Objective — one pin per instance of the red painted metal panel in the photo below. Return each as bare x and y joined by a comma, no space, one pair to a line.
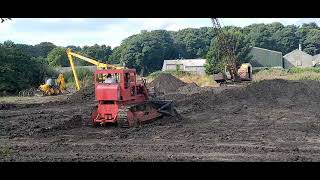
108,111
107,92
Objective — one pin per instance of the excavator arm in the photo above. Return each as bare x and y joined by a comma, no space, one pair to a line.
226,48
99,65
61,83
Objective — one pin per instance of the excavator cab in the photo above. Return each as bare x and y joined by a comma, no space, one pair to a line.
52,82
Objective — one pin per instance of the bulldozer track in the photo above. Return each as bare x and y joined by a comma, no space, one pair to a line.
122,118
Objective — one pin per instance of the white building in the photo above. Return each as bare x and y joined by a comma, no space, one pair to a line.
316,58
188,65
298,58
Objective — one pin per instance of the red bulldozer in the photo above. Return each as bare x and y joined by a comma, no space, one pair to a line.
122,99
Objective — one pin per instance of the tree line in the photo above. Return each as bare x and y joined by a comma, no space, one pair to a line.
23,65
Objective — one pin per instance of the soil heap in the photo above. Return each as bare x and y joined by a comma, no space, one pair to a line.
271,93
166,83
84,95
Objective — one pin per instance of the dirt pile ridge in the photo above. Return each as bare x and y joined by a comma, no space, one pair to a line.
166,83
189,88
84,95
266,93
273,91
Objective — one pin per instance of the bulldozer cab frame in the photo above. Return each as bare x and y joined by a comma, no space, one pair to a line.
123,76
126,83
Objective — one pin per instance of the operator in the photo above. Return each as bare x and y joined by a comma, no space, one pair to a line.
110,79
50,82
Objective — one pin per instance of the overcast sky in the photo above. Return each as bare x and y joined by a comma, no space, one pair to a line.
110,31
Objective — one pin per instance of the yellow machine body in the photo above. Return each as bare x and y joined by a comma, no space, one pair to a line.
57,87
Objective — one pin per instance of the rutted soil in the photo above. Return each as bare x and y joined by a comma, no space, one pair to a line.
274,120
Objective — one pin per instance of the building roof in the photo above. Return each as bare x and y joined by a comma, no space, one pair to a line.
297,51
317,56
266,50
187,62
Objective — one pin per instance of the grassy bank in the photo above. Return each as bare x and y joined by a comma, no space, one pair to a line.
288,74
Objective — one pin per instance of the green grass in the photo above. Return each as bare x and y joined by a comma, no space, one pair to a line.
288,74
303,70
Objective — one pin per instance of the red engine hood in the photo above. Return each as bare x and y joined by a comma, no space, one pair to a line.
107,92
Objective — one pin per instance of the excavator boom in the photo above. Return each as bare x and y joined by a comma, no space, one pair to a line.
99,65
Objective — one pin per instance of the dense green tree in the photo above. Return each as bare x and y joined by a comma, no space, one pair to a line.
312,42
28,49
114,58
259,36
44,48
74,48
216,58
18,70
100,53
305,37
285,39
9,44
193,43
147,50
97,52
58,57
37,50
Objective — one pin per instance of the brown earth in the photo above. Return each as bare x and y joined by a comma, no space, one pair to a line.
274,120
166,83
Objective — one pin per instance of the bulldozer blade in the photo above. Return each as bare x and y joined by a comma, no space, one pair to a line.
165,107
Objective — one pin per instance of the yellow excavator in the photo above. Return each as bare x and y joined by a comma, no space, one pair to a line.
53,86
98,64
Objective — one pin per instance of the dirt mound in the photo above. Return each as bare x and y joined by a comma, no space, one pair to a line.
278,91
189,88
192,88
84,95
166,83
265,93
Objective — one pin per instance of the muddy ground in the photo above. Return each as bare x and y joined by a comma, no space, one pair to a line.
273,120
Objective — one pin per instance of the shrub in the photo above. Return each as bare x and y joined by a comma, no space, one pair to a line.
85,77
